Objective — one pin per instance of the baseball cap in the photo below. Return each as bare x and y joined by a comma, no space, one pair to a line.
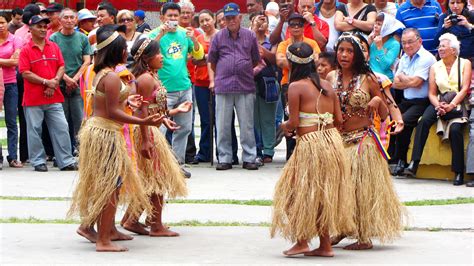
140,13
231,9
272,6
54,7
85,14
37,19
296,16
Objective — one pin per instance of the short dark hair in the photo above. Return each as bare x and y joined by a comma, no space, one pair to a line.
4,15
17,11
170,6
330,57
29,11
111,55
111,10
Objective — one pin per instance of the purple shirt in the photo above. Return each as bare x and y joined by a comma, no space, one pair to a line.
234,60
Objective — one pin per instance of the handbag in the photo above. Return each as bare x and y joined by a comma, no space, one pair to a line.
447,97
272,89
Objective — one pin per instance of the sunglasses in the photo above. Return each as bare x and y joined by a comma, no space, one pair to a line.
124,20
296,24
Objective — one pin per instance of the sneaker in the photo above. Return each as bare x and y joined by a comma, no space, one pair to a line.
71,167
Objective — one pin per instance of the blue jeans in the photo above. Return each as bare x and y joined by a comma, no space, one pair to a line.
73,108
184,121
53,114
10,102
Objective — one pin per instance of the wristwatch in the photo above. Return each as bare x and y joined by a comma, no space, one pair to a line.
313,23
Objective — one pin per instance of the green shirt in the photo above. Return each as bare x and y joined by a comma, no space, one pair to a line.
73,47
174,47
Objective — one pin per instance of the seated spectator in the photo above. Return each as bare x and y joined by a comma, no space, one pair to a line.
459,21
386,7
326,63
85,21
355,16
447,90
384,47
142,26
42,71
9,50
411,77
267,92
422,15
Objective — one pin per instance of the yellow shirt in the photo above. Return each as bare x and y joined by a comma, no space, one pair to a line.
444,81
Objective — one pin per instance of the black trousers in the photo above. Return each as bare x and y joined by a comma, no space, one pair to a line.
411,111
455,137
21,117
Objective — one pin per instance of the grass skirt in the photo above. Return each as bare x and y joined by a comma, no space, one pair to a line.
162,174
313,193
104,167
379,213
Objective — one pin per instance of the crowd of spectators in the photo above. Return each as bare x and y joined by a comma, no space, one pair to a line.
231,70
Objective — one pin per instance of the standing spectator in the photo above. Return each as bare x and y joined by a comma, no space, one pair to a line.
314,28
76,52
254,7
272,11
459,21
15,23
185,21
106,15
53,10
23,34
201,87
386,7
267,92
355,16
42,66
220,21
287,7
125,19
411,77
176,43
9,51
142,26
326,10
232,56
384,47
447,90
85,21
424,16
296,23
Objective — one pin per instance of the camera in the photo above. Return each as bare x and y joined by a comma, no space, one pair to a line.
284,6
173,24
453,18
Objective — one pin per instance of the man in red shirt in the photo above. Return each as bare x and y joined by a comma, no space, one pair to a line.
314,28
42,66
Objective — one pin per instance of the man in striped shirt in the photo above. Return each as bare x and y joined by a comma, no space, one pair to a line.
422,15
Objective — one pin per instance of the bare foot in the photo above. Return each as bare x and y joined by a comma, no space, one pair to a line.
336,239
359,246
320,253
135,227
116,235
163,233
298,248
102,247
87,232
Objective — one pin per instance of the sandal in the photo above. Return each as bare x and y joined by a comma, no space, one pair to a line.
15,164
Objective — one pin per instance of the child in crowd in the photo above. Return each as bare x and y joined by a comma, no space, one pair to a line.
326,63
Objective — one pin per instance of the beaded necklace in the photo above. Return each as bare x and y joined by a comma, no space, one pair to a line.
345,96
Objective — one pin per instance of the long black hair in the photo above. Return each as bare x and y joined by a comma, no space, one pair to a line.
140,65
359,65
302,71
112,54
